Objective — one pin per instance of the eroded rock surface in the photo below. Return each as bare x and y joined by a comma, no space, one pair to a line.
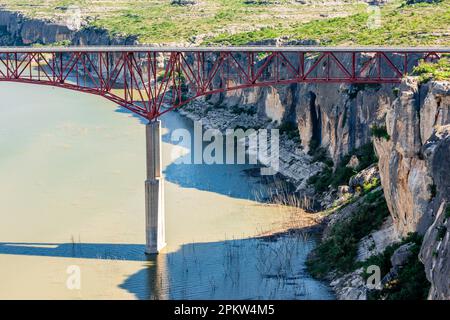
414,170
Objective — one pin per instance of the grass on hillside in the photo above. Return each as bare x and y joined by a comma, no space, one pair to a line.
401,24
239,22
162,21
439,70
338,252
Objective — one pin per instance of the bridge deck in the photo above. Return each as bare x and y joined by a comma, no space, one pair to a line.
223,49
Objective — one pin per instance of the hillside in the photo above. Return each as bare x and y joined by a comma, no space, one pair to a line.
162,21
238,22
399,24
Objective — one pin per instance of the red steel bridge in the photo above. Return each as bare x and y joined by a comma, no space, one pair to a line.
144,79
150,81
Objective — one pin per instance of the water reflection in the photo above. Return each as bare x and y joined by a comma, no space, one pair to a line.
255,268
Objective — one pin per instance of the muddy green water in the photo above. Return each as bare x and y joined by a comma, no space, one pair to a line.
72,194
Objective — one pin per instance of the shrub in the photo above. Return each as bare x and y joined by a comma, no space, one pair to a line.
411,282
442,230
321,180
342,174
396,91
355,88
249,111
380,132
383,260
291,130
338,251
410,2
439,70
433,190
372,184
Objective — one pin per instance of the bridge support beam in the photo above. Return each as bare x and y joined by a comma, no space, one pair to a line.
154,191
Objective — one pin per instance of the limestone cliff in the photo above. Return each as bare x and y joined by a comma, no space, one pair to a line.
414,170
16,29
337,117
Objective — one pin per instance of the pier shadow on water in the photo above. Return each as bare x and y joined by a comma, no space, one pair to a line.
254,268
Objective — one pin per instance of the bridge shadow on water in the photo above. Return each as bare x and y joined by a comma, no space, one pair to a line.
253,268
104,251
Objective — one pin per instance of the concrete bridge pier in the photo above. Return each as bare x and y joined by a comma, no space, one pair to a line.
154,191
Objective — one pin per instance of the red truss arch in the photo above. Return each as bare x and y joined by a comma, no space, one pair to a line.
143,79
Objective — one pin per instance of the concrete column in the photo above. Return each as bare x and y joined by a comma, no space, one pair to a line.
154,191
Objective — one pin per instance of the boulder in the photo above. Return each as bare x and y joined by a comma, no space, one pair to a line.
354,162
401,255
364,177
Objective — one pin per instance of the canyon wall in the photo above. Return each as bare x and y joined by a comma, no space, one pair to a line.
414,170
337,117
16,29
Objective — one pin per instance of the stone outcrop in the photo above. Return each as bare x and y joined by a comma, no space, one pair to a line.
435,252
351,286
23,30
338,117
376,242
406,174
414,170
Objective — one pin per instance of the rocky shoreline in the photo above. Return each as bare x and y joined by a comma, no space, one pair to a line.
295,164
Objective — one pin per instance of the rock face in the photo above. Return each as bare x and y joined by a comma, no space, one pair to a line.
407,179
435,252
414,170
337,117
22,30
368,175
376,242
351,286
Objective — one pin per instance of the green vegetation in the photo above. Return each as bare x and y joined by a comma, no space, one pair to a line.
409,2
342,174
338,251
239,22
447,212
380,132
368,186
239,110
433,191
355,88
383,260
396,91
411,282
418,24
165,21
291,130
439,70
442,230
61,43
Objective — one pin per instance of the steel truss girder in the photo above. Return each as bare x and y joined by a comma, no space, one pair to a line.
154,82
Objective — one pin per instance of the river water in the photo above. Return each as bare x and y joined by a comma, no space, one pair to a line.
72,172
